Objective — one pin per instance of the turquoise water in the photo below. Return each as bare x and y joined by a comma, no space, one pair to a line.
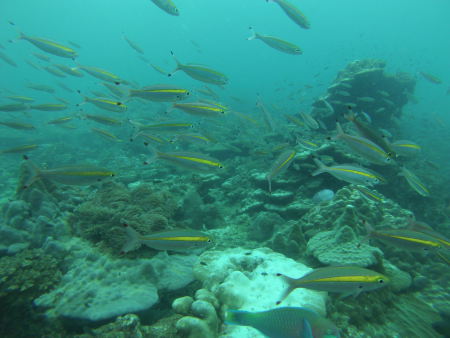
61,220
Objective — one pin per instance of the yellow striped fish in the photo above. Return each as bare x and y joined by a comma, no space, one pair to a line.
174,240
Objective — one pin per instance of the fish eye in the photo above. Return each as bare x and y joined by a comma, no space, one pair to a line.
360,286
119,103
381,281
187,93
221,166
209,240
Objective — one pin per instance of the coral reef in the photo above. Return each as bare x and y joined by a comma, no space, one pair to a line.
98,287
341,246
100,218
25,276
366,87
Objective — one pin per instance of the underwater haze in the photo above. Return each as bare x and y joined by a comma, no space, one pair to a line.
212,168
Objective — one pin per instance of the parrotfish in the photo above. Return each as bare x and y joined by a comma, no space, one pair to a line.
285,322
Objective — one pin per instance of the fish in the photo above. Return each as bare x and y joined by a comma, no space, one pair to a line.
103,119
53,71
115,90
160,93
293,13
61,120
294,120
426,229
405,148
7,59
133,44
40,87
163,127
106,104
83,174
367,99
383,93
285,322
76,45
364,147
13,107
60,99
266,115
405,239
18,98
17,125
32,64
174,240
346,280
101,74
369,132
188,160
208,92
19,149
149,138
49,107
343,93
309,121
73,71
414,182
167,6
200,109
42,57
106,134
283,161
50,47
276,43
369,195
306,144
200,73
349,173
65,87
431,78
198,138
159,69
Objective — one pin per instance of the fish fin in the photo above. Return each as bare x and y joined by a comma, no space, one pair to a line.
269,181
307,329
153,155
35,173
322,167
179,65
133,240
350,116
254,34
340,131
291,286
235,317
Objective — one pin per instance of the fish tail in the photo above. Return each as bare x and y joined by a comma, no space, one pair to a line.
322,167
254,34
235,317
350,116
340,131
369,228
154,154
177,67
35,173
291,282
133,240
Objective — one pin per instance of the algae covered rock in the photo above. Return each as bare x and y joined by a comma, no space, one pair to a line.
342,247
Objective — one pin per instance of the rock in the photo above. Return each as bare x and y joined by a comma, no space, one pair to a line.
182,305
342,247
